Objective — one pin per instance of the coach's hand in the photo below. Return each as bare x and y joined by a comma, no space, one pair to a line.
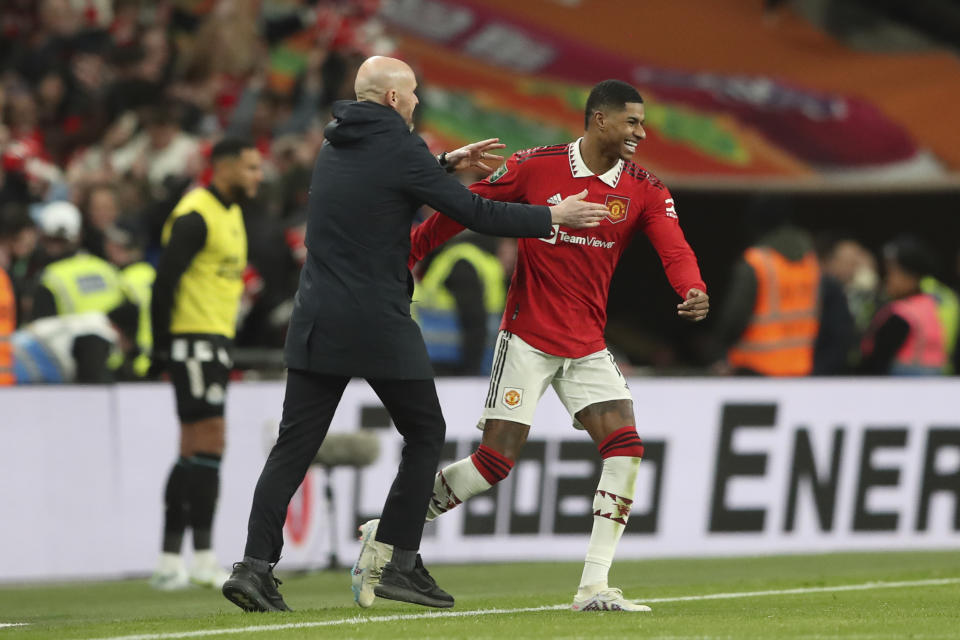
475,155
695,307
574,212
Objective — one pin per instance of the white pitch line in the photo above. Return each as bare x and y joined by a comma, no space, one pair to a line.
332,623
486,612
13,624
802,590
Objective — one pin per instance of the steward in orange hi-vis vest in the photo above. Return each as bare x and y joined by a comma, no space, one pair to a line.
8,323
780,337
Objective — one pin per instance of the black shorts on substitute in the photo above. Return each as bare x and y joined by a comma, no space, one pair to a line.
200,367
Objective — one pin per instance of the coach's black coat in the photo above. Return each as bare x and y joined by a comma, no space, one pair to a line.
351,312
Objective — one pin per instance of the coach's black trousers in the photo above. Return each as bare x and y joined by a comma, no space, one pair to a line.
308,408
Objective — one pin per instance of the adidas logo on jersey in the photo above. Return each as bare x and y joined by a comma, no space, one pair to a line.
554,199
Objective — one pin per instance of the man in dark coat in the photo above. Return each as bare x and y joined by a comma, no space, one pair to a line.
351,318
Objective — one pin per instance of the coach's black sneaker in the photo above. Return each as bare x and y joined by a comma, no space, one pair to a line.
416,586
253,590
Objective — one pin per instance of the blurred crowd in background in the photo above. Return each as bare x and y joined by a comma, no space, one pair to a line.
108,112
113,106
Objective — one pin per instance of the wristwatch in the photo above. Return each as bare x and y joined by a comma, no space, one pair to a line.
444,164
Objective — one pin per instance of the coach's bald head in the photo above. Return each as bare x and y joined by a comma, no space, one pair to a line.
389,82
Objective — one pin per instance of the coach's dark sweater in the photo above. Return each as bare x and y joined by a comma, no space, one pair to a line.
352,310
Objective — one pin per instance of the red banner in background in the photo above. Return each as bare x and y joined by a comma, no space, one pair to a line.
699,123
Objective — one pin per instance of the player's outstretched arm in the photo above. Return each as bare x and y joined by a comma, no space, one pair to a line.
696,307
662,227
429,235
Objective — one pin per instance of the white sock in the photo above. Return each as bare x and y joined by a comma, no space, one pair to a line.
170,563
611,508
206,559
454,484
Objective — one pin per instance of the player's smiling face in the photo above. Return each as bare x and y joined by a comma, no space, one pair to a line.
623,130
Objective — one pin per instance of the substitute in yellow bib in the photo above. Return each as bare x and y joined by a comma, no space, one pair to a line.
193,311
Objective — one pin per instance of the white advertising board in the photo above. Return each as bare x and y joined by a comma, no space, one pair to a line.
731,467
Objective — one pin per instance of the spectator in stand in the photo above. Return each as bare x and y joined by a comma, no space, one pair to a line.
18,239
100,212
161,150
22,120
262,114
906,338
48,42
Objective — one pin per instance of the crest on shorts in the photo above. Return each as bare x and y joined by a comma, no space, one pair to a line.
617,206
512,397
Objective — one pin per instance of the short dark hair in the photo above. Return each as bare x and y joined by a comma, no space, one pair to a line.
912,254
609,93
166,112
230,148
14,218
126,317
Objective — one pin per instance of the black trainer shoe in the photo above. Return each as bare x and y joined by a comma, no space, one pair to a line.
253,590
416,586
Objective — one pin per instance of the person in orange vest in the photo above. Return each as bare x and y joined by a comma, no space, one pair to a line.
8,322
8,310
906,337
770,323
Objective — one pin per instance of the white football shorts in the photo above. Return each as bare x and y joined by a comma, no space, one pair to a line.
521,374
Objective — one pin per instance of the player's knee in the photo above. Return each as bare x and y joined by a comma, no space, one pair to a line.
492,464
505,437
624,442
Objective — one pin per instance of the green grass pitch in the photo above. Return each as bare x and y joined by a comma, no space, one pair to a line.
857,596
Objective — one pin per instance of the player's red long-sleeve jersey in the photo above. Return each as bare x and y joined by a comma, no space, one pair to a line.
558,296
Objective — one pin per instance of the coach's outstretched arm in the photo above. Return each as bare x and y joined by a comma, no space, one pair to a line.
427,182
472,156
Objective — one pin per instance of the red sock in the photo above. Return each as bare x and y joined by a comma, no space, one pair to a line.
491,464
622,442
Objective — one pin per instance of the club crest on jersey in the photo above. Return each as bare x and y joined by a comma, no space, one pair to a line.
496,175
512,397
618,207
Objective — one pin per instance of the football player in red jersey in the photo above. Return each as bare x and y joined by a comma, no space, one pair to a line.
553,324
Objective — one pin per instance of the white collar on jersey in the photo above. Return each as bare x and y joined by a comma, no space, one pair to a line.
579,168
